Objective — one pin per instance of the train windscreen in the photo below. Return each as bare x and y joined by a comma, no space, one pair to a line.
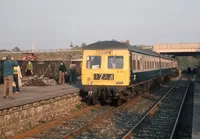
115,62
93,62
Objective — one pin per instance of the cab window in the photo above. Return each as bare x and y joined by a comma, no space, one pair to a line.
115,62
93,62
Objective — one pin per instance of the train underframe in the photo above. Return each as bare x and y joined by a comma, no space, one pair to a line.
116,95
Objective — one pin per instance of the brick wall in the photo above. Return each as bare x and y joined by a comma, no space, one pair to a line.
16,120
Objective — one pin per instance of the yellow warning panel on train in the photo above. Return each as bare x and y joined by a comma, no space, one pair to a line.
104,52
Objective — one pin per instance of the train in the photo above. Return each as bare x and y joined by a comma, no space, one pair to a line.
114,72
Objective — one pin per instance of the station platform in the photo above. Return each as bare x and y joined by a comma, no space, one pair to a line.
35,106
196,111
34,94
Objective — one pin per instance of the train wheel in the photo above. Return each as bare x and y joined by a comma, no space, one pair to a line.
91,97
118,102
89,100
103,98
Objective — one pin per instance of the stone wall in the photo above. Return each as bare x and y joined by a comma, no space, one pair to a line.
16,120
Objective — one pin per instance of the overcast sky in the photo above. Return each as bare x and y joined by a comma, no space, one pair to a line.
57,23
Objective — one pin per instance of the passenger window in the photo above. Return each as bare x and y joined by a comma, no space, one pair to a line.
138,64
115,62
93,62
145,64
134,64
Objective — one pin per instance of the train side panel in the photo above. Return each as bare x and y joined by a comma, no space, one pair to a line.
145,75
145,66
167,71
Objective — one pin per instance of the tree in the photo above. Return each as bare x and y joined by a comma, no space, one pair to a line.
83,45
16,49
76,47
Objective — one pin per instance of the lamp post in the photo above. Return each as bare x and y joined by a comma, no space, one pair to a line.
70,56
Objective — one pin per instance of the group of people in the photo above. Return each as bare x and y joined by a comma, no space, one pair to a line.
12,77
72,73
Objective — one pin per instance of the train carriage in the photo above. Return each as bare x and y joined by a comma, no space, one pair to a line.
147,65
111,70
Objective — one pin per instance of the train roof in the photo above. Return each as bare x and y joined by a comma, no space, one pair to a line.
106,45
110,45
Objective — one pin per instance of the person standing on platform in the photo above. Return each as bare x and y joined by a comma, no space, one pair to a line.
17,79
179,71
8,76
62,70
72,70
29,69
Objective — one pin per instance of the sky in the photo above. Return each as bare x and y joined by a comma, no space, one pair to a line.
54,24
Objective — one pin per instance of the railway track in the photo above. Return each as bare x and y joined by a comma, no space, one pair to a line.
184,126
116,123
51,124
100,122
161,120
185,123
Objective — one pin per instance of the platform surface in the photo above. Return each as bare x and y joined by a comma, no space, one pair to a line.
34,94
196,112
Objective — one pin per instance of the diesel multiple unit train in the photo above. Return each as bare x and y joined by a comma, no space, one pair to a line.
114,72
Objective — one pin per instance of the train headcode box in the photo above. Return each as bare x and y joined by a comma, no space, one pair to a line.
104,52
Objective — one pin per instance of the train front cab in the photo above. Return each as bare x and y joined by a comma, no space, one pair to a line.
105,69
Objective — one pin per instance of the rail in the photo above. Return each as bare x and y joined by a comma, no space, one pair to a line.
179,112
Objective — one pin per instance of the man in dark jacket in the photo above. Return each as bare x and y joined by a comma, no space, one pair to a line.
8,76
72,70
62,70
